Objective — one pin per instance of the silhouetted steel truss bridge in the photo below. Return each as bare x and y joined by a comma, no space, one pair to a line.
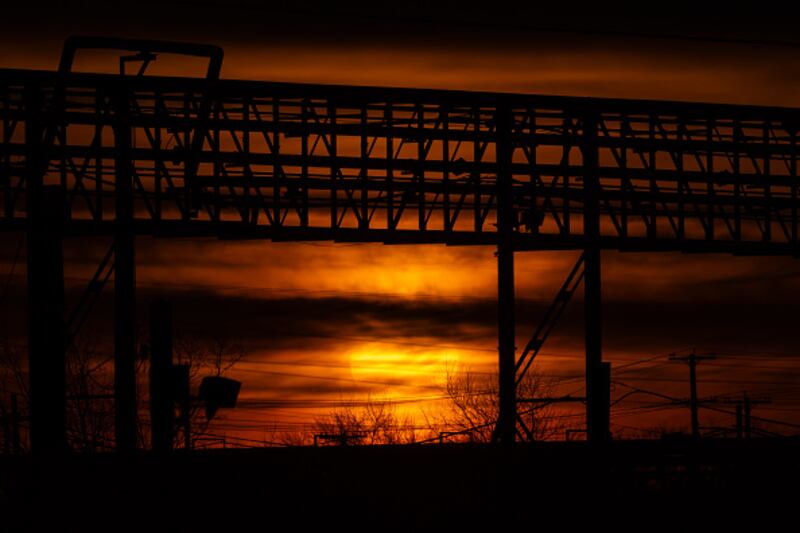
129,154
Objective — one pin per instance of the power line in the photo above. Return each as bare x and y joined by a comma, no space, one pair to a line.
761,418
642,361
720,410
692,360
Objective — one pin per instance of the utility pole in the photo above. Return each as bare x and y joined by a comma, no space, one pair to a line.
739,425
744,408
692,359
747,421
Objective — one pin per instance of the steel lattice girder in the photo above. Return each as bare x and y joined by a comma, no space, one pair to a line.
288,161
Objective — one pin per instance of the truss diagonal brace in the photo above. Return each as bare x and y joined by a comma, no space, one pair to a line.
90,295
550,319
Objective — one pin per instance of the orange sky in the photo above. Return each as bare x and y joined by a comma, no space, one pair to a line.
326,322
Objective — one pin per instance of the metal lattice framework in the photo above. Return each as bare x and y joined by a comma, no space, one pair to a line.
233,159
290,161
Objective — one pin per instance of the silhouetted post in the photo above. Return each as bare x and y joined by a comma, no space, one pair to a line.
6,420
749,402
596,406
747,419
692,360
46,328
15,420
124,283
507,416
739,427
162,412
45,268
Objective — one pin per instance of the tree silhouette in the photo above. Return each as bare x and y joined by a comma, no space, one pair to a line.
90,386
472,406
369,422
352,422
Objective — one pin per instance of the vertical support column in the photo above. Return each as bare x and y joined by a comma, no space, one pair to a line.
597,412
507,418
45,269
334,155
652,228
710,223
737,185
277,166
162,412
421,155
765,169
682,186
46,328
389,167
475,176
363,218
793,175
304,164
5,147
124,283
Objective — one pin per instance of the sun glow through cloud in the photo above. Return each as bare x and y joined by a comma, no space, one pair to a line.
373,361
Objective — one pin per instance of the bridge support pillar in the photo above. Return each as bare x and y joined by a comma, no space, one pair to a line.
507,419
597,410
45,271
597,385
506,331
46,327
124,285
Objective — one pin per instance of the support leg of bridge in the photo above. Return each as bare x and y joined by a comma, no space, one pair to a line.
507,417
597,383
46,329
124,287
597,409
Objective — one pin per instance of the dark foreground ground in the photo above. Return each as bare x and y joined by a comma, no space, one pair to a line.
407,488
